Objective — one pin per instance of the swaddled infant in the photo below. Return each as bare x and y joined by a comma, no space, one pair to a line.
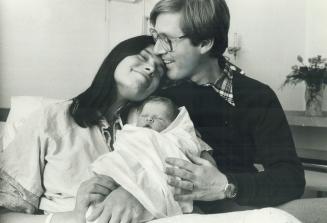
157,113
137,162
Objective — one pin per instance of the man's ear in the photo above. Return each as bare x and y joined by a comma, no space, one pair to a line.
206,45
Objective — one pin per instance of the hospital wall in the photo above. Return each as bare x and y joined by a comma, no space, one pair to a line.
54,47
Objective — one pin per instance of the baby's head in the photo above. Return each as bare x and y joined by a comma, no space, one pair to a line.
157,113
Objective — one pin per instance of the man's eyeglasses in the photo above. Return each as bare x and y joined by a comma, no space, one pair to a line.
165,41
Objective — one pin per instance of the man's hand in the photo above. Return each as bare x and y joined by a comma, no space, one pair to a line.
119,207
92,191
199,180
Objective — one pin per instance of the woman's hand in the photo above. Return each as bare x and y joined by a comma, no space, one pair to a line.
119,207
199,180
92,191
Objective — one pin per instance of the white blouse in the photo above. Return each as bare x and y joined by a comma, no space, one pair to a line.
44,165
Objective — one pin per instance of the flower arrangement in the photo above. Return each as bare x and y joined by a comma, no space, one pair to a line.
314,74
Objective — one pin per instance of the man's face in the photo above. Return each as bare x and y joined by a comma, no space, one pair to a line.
183,61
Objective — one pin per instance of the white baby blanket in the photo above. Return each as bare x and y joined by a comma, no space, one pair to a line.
264,215
137,164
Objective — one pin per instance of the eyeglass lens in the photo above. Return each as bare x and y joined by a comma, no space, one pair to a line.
162,39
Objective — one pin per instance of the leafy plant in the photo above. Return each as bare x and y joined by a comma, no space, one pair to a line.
314,73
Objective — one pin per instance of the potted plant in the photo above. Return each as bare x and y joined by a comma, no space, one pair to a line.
314,74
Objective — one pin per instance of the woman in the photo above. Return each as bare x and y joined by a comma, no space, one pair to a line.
42,169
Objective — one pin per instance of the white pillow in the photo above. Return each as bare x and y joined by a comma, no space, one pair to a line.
20,109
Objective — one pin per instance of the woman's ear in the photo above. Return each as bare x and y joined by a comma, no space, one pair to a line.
206,45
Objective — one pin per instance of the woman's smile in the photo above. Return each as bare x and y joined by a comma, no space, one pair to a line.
145,75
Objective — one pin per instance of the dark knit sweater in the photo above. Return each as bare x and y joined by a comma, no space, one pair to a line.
254,131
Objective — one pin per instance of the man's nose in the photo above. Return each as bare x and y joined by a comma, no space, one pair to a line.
158,49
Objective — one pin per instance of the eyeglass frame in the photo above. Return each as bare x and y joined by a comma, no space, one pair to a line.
165,40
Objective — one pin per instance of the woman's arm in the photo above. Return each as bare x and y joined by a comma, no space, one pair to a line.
91,191
119,206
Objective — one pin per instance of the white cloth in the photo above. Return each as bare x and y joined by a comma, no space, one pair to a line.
264,215
44,165
137,163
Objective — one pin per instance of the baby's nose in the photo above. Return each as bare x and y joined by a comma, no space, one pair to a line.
149,119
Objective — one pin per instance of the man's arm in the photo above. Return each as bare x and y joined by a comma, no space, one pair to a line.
283,177
281,181
198,179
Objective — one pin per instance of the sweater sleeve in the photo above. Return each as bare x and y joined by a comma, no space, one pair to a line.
283,176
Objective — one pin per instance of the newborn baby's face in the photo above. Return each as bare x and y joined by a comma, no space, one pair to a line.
154,115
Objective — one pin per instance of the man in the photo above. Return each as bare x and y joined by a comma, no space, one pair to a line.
240,118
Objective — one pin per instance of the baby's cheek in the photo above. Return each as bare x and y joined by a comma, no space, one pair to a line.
140,122
158,126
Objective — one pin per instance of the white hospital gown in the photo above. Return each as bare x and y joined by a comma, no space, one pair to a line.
44,165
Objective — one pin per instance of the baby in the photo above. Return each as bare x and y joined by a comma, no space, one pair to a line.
137,162
157,113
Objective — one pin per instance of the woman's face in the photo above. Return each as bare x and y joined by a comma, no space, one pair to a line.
138,76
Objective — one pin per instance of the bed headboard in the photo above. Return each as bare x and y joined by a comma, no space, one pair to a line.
4,114
3,117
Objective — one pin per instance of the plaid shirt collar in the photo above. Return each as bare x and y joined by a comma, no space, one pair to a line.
224,84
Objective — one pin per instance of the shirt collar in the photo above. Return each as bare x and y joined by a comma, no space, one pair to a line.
108,131
224,84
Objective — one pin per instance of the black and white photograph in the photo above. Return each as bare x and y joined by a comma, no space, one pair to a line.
163,111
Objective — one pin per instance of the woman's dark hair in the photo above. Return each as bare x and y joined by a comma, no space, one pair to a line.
88,107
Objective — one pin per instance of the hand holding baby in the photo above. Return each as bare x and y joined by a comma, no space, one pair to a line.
207,181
